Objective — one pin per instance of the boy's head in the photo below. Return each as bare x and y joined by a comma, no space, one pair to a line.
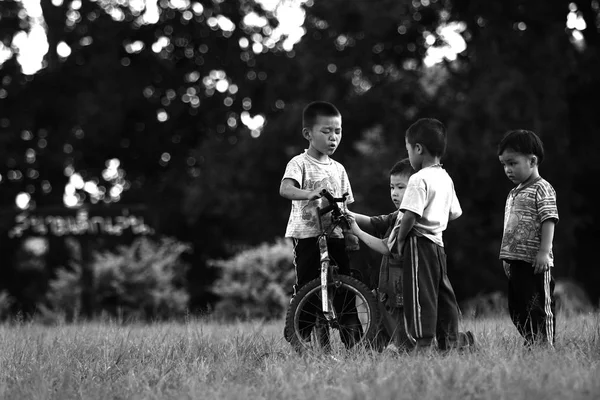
520,152
399,176
322,127
427,135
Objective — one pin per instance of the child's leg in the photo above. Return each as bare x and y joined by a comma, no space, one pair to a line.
349,319
402,339
531,302
520,293
387,323
395,305
420,283
306,263
544,315
447,321
385,327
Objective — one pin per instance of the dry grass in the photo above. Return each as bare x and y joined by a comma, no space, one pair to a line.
206,360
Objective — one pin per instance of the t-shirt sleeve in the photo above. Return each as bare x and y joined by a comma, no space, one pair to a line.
345,185
546,203
293,171
415,197
455,209
381,223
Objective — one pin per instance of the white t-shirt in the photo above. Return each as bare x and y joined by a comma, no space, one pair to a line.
310,174
430,194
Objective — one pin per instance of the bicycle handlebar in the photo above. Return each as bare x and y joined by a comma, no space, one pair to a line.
332,200
333,206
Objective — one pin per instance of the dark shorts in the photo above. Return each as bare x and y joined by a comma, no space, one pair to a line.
307,258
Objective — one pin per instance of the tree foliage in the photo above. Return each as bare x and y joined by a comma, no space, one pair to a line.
167,98
524,68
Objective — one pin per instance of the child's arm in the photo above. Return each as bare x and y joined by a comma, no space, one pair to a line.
290,190
407,223
506,267
542,260
379,245
363,221
455,209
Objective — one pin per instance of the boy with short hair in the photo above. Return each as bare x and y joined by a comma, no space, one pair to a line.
305,176
430,201
530,215
389,287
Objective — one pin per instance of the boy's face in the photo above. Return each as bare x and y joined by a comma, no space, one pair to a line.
325,135
398,184
518,167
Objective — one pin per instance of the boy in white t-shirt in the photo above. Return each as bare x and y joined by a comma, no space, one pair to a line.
430,201
391,297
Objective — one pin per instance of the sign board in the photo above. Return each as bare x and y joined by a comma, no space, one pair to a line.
115,220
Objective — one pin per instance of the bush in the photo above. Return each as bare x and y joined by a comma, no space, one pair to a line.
571,298
145,280
485,305
63,299
255,283
6,302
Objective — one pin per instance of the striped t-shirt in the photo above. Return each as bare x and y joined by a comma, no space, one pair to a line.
526,209
311,174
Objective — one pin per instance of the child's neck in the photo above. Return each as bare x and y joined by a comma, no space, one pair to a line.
430,161
317,155
535,173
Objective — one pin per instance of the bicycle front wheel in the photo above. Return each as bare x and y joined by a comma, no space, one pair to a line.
355,322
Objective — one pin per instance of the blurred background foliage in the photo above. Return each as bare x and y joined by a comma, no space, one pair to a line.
144,281
256,283
193,108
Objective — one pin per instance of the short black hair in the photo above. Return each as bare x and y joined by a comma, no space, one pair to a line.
429,133
318,109
402,167
524,142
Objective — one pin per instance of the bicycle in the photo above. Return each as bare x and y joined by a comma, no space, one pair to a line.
334,301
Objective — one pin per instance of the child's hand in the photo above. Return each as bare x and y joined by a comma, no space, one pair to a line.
506,267
315,194
352,223
542,262
400,247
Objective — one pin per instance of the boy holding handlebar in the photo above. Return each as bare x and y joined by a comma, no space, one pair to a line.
305,176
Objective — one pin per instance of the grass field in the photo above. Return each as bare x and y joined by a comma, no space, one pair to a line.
206,360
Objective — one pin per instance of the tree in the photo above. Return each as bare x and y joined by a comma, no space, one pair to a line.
524,68
117,88
166,98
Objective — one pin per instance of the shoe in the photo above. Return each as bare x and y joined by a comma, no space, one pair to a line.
391,349
470,339
466,340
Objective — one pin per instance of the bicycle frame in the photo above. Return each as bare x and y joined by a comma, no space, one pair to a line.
338,218
325,264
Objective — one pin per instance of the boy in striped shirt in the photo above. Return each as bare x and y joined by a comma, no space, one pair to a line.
530,215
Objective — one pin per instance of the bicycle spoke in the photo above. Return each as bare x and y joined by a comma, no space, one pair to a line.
309,318
354,312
